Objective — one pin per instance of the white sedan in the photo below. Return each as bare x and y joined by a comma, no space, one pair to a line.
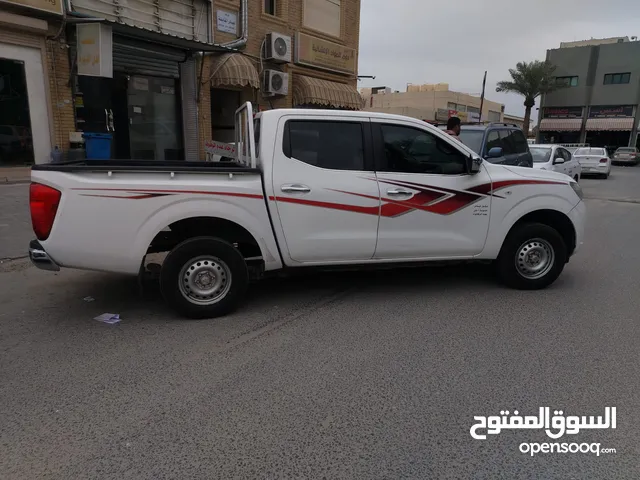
594,161
556,158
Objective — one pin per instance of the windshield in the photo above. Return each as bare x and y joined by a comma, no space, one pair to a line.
472,139
540,155
590,151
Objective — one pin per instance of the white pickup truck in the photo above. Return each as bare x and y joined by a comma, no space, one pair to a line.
309,188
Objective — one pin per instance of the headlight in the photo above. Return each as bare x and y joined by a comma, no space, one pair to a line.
578,189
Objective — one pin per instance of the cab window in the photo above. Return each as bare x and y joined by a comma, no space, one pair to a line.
411,150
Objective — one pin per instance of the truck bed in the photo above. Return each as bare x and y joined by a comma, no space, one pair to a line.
111,211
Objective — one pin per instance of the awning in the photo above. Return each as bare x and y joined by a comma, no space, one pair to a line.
309,90
560,124
610,124
233,69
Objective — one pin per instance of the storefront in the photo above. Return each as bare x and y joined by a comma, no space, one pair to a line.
25,104
561,125
135,84
610,126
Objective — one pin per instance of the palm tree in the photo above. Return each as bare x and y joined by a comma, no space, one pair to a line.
529,80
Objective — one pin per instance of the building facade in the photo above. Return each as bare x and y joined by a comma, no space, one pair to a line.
433,103
515,120
600,95
287,54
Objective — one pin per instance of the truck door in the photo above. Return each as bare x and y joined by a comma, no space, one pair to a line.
430,207
324,188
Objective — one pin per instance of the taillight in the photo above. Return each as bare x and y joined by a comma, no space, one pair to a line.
604,160
43,203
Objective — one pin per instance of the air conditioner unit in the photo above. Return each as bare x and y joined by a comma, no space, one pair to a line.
278,48
275,82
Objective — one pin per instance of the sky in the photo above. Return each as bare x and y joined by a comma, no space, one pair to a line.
454,42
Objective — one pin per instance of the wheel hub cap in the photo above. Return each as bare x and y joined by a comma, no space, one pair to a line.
534,258
205,280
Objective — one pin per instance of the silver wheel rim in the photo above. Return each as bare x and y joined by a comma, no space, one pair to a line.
204,280
535,258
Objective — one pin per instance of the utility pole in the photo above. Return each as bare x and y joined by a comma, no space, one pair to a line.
484,83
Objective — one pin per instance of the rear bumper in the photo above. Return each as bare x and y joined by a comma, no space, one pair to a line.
630,160
40,258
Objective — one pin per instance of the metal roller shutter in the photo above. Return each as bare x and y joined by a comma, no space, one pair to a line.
19,38
141,58
188,81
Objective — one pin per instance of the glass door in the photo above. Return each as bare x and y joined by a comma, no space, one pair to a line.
155,131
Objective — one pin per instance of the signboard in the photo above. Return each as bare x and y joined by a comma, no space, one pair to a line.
49,6
227,21
473,117
442,114
95,52
319,53
615,111
215,150
563,112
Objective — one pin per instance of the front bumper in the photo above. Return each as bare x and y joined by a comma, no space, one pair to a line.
40,258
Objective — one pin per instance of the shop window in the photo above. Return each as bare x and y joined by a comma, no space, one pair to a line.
224,104
567,81
323,15
617,78
451,106
473,110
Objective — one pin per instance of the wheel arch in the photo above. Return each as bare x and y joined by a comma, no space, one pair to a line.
555,219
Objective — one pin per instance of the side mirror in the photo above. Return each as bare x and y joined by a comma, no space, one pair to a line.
495,152
558,160
473,164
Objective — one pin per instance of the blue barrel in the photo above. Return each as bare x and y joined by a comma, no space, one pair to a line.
97,145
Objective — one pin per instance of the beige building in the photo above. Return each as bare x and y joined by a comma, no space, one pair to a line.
514,119
432,103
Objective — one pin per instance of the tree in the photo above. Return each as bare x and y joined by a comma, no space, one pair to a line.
529,80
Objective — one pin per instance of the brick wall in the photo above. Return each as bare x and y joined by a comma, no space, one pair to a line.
288,20
58,71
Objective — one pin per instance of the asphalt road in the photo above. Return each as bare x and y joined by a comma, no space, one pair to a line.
15,222
334,376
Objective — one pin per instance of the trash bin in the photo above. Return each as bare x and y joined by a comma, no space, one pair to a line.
97,145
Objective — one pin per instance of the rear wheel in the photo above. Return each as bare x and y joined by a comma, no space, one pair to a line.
532,257
204,277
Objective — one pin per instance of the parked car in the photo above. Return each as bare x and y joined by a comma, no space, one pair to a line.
626,155
594,161
556,158
499,143
316,188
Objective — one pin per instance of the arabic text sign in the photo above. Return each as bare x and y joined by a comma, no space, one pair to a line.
611,112
213,148
555,426
95,54
49,6
227,21
319,53
562,112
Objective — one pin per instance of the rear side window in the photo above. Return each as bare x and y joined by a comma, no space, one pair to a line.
332,145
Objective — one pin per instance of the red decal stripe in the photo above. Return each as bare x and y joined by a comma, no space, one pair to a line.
174,192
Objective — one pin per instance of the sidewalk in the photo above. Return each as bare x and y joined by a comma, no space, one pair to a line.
15,175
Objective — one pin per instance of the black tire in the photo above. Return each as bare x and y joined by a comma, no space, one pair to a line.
214,260
513,246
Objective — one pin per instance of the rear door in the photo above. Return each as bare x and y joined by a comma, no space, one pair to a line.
325,190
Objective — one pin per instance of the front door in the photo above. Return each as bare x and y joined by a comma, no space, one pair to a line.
430,208
325,190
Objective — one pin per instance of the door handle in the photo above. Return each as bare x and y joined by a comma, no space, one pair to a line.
397,192
295,188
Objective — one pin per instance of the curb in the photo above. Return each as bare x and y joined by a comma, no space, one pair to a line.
19,181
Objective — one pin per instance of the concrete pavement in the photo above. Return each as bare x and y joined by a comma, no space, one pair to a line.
14,175
15,221
335,376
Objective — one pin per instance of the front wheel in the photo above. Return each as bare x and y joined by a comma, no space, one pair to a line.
532,257
204,277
